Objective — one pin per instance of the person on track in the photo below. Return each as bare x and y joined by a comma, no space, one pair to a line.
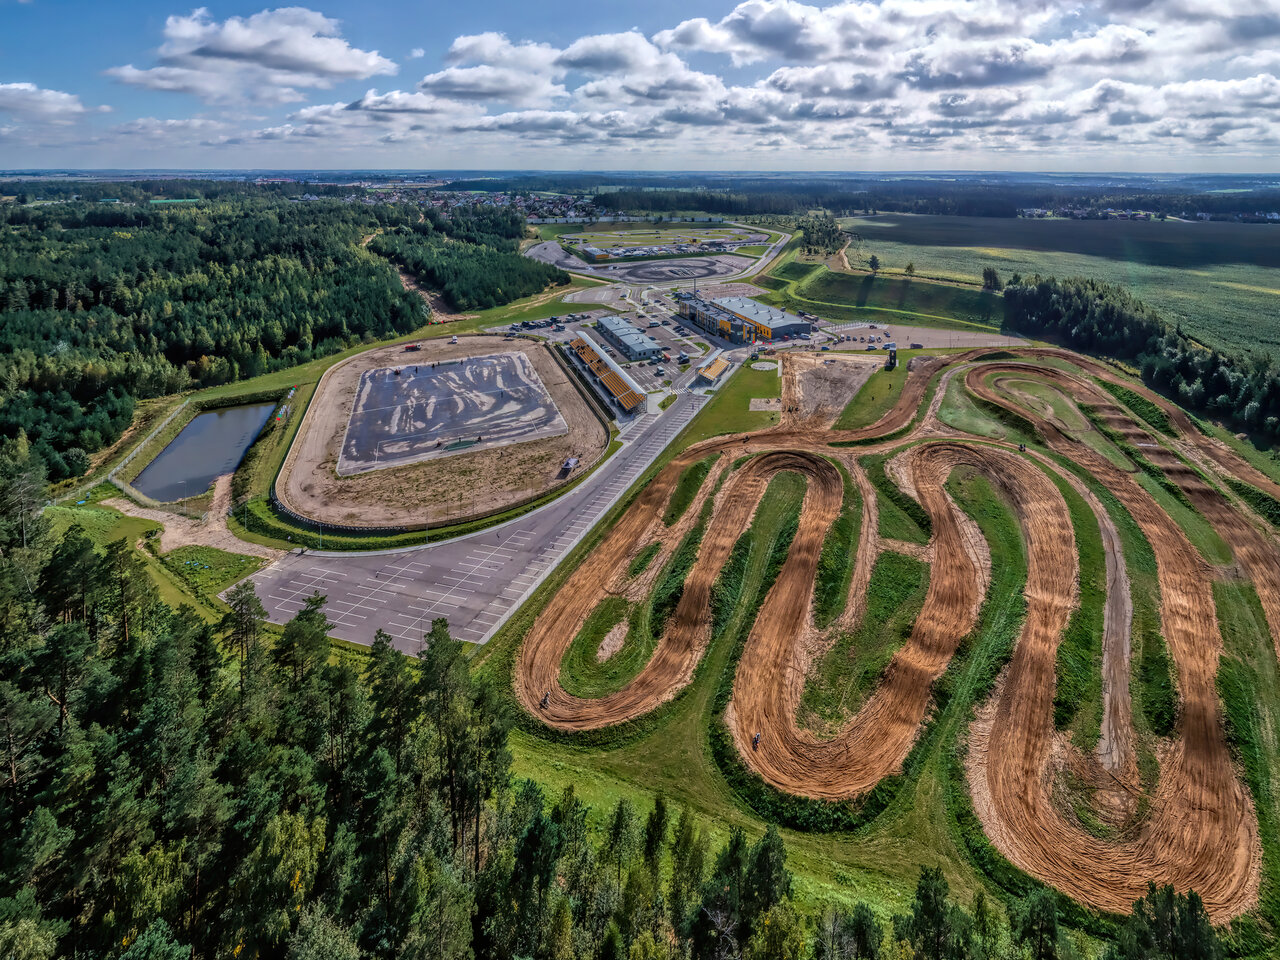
755,741
546,699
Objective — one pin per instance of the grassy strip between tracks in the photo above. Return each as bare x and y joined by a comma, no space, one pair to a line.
687,488
1079,657
839,683
901,517
642,559
835,563
972,675
925,401
1248,681
581,674
1140,405
874,398
1266,505
1152,684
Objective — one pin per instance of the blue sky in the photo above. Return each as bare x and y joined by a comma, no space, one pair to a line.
765,84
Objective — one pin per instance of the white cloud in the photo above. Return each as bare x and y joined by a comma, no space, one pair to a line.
266,57
417,53
26,101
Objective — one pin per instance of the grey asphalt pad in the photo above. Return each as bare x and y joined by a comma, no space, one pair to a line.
422,411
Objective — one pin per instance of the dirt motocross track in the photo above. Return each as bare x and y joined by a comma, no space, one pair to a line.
1198,829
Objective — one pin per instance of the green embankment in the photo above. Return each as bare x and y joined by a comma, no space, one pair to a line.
851,669
581,673
1078,695
835,563
901,518
876,398
1140,405
643,559
1248,683
687,488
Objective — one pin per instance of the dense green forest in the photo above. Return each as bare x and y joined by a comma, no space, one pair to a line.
1099,318
101,306
485,270
174,789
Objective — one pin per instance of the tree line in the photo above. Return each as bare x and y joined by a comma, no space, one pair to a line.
102,306
1242,392
484,270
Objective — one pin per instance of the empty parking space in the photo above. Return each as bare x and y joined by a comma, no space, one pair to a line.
476,582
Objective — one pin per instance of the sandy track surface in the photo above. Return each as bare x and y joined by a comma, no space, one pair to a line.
433,491
181,531
1200,830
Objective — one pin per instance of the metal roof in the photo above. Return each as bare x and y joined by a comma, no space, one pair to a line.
757,312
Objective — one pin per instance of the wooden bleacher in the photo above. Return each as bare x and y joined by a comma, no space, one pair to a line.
627,398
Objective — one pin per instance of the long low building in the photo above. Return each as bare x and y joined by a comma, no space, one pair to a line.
617,386
740,319
633,344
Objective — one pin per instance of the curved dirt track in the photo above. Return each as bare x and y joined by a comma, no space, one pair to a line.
1200,830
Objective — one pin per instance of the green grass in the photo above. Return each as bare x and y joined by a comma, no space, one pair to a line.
207,570
643,559
670,586
901,518
729,411
687,487
580,673
1266,505
896,299
1078,695
848,672
835,563
1140,405
106,526
1215,280
1248,681
874,399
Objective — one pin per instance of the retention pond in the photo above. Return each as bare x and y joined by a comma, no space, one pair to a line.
212,444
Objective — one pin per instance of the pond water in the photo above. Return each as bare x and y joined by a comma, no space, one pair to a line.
212,444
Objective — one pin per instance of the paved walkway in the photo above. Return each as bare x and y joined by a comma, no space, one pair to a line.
477,581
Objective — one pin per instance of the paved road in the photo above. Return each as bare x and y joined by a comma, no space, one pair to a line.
477,581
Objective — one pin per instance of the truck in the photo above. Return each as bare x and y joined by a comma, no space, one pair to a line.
412,347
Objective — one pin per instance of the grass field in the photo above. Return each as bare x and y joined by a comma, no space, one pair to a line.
1218,280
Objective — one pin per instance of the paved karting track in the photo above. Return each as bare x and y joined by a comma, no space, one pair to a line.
475,582
414,412
1200,830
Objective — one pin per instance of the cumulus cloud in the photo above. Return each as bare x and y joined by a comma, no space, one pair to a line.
893,77
26,101
267,57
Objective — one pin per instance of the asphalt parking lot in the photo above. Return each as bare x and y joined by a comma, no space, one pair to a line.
474,582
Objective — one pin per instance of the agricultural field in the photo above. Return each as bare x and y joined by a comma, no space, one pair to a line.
1216,280
1005,579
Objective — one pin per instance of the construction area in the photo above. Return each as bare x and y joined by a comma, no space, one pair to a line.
1040,437
463,430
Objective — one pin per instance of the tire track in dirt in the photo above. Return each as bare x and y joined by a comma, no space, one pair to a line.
1202,831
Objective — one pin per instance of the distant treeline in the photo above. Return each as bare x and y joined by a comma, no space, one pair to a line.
1243,392
104,305
143,191
785,195
484,270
